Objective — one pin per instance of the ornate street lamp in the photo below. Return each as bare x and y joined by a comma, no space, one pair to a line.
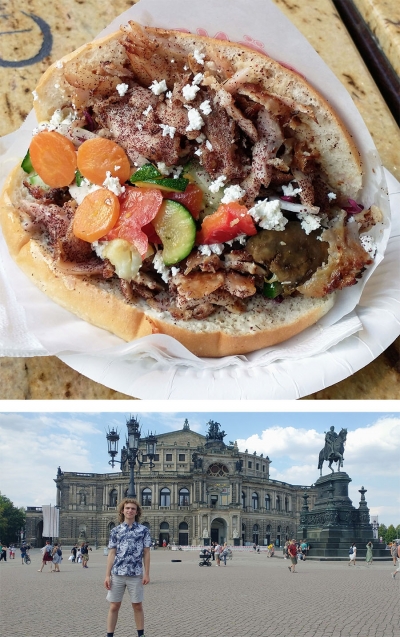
132,450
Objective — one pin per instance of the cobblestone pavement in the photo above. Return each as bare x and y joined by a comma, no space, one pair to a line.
253,596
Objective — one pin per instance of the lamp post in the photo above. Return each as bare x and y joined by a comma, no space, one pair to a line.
132,451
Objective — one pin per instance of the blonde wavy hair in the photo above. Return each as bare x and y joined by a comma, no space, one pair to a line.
120,509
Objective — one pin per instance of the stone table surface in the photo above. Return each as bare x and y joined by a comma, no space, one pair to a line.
23,59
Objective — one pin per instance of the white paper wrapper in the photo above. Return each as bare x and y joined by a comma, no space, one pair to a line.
158,366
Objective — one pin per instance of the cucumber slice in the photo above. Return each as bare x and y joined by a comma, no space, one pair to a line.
196,173
78,177
35,180
26,164
148,171
167,184
177,230
272,290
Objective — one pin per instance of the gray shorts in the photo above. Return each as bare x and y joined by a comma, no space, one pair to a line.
134,584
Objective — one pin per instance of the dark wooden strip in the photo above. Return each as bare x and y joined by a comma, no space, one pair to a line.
376,61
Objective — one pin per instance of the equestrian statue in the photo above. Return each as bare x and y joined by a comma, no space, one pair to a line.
333,450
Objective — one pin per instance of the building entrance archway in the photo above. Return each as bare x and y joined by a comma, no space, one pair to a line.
219,531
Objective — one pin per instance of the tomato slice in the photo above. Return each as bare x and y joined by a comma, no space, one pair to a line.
226,223
138,206
191,198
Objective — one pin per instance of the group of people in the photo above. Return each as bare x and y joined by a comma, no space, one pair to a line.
80,554
51,555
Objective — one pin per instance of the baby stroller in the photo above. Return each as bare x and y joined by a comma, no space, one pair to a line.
205,557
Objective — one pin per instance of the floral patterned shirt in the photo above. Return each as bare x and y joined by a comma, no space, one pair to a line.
129,543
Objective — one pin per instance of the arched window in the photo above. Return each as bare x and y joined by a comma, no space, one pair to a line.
254,498
111,526
113,498
278,503
183,526
126,493
243,499
268,529
267,502
165,497
287,504
164,526
184,497
255,528
146,497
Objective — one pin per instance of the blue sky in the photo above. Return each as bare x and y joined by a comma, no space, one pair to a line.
34,444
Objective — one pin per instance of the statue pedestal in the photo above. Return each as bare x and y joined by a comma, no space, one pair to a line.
334,523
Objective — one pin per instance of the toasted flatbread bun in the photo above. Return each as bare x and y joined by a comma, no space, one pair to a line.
100,301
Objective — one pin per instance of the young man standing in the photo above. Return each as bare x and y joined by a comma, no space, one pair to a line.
128,564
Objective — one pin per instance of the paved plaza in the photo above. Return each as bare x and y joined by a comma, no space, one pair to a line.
253,596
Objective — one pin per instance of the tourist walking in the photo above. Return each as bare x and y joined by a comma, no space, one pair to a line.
292,553
128,564
218,549
224,553
369,557
85,554
12,552
3,555
393,552
352,555
74,551
57,557
47,557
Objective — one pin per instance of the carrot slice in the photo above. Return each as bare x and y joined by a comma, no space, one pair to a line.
98,155
96,215
53,157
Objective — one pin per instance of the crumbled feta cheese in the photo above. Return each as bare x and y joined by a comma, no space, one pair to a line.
289,191
309,222
35,95
113,184
195,120
198,152
79,192
189,92
172,61
122,89
174,271
117,168
168,94
368,244
56,86
268,215
209,145
59,64
158,87
213,248
197,78
201,138
331,195
186,68
199,57
241,238
148,109
163,168
160,267
139,125
205,107
56,118
217,184
167,130
176,171
232,193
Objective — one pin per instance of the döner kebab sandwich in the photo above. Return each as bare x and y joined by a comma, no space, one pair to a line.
188,186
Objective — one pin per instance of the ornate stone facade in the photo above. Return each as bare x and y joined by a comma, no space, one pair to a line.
200,490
